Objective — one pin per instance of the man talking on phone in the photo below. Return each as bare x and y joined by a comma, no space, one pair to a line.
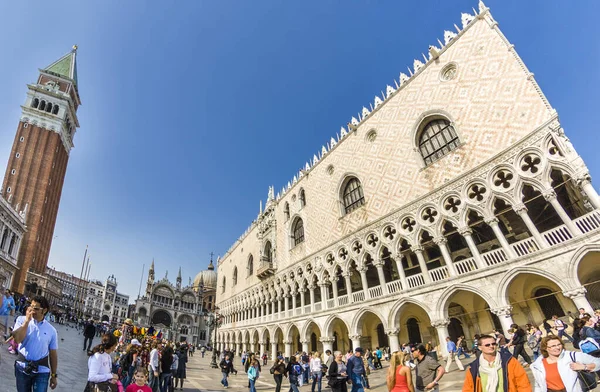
37,363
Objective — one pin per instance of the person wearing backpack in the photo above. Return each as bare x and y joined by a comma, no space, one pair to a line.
294,371
253,374
534,340
589,337
518,342
557,368
560,327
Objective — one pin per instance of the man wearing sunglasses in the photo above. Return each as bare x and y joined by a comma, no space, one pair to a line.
495,371
37,363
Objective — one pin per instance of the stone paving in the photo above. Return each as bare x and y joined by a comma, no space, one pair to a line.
72,369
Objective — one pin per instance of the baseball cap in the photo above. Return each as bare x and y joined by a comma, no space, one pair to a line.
136,342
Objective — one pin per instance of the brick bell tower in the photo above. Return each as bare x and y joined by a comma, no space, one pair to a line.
38,160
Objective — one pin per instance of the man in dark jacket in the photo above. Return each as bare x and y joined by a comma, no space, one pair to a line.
226,366
89,331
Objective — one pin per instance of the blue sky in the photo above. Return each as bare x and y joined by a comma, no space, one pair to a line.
191,111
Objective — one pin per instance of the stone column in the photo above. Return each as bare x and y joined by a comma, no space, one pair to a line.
505,315
293,301
355,341
279,307
400,267
493,223
245,346
442,243
288,348
381,277
302,299
442,330
577,295
363,281
263,347
286,298
347,276
521,210
304,346
273,351
312,297
550,197
327,343
334,288
323,286
422,264
467,234
585,183
393,339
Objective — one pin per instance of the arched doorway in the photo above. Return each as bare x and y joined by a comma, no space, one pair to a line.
548,303
414,332
313,342
382,337
161,317
367,327
313,336
339,331
455,329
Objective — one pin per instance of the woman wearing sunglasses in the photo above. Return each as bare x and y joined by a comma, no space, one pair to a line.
495,371
556,369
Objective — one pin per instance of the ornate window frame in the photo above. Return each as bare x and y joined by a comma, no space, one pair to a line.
340,193
419,125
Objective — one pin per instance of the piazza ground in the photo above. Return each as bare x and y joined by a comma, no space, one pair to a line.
201,377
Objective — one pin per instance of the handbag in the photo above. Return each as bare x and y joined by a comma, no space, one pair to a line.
587,380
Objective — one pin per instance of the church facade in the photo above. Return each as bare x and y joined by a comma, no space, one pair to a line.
178,311
453,205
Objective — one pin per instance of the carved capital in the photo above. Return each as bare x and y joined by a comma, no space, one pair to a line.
440,323
287,342
583,179
362,269
505,311
333,279
392,332
326,339
378,263
465,231
347,275
312,287
491,221
441,240
575,293
520,208
549,194
302,289
355,337
304,341
417,248
261,342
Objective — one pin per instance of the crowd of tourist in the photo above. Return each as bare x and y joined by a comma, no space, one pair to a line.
134,359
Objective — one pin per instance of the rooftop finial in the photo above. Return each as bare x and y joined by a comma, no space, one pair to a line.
75,48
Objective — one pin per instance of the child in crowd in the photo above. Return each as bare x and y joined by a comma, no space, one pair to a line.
253,374
140,381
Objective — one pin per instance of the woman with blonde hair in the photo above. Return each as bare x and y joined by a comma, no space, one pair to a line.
316,371
399,378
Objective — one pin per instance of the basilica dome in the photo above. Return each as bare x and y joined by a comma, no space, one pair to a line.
208,278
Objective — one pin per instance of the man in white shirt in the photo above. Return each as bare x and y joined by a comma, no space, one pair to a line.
560,328
154,366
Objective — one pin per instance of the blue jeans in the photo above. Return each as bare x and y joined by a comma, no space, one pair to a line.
252,386
224,380
165,382
461,351
562,333
34,382
316,379
357,383
153,381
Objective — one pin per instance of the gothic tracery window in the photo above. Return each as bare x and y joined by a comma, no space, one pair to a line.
235,276
250,265
298,232
353,196
437,139
286,210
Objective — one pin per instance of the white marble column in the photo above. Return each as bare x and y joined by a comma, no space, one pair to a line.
355,341
550,197
363,281
302,299
585,183
263,347
442,330
400,268
334,288
467,234
273,351
288,348
577,295
493,223
304,346
312,297
422,264
505,315
521,210
347,276
393,339
442,243
381,277
327,343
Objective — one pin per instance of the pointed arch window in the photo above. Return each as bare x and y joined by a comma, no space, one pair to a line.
235,276
302,198
353,196
297,232
250,265
437,139
286,210
224,285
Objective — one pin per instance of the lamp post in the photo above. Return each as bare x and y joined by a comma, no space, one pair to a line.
213,320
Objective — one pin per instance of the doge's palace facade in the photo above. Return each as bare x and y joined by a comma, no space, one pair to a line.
453,205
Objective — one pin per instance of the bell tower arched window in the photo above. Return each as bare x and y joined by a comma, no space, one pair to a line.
352,196
297,232
437,138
